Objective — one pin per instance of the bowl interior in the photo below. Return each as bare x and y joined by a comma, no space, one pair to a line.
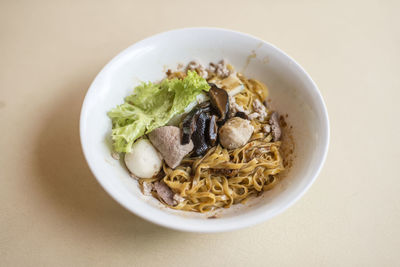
291,90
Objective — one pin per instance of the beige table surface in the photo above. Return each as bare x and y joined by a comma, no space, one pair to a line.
54,213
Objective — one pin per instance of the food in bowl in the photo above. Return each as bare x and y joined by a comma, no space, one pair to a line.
201,139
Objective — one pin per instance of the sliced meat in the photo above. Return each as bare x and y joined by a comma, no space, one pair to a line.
167,140
235,133
275,127
165,192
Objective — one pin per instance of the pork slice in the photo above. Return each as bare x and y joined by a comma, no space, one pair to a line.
167,140
165,192
275,127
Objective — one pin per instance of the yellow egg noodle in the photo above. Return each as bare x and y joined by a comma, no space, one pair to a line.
225,177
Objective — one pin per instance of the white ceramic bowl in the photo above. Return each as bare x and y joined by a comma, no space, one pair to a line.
291,89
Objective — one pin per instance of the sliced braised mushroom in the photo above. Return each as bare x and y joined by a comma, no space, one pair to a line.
189,123
189,126
219,101
198,136
212,133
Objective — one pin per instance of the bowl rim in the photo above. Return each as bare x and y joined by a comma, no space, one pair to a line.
208,228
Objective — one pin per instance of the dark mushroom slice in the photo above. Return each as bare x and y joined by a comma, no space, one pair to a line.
205,106
219,101
189,126
198,136
212,133
275,127
189,122
242,115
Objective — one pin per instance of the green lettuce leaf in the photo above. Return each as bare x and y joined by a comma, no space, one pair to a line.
152,106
